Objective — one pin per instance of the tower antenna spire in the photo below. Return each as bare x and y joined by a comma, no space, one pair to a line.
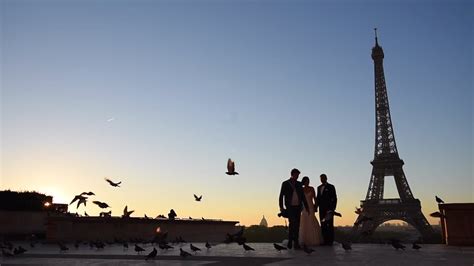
376,39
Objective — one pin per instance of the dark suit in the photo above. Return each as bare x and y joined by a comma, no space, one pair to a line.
294,211
327,201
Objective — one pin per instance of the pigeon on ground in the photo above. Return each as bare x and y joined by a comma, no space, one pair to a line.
196,198
138,249
278,247
231,168
415,246
125,245
85,214
164,246
346,245
62,247
19,250
358,210
106,214
126,212
152,254
208,246
397,245
247,247
113,183
307,250
439,200
7,253
194,248
183,253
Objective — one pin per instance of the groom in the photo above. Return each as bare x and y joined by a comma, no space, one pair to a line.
292,192
326,200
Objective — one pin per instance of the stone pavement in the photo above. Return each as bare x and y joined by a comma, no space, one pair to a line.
233,254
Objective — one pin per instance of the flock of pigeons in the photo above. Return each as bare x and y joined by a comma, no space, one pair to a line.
82,198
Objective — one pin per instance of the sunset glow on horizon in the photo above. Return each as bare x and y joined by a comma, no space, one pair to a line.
160,95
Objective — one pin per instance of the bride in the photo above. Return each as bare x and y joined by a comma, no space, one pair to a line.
310,231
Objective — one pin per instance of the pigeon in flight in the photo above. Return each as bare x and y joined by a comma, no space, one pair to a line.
113,183
196,198
231,168
80,199
90,193
126,212
278,247
439,200
102,205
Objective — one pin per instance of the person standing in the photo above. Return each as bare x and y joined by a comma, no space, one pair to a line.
310,231
326,201
291,201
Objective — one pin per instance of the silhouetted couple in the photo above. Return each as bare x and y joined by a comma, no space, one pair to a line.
298,202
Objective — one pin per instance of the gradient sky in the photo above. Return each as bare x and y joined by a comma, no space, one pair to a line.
158,94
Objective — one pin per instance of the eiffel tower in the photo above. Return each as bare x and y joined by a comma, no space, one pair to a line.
376,210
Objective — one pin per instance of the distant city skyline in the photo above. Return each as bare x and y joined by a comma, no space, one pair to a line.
159,94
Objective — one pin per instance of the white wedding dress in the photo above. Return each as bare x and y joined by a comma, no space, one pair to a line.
310,231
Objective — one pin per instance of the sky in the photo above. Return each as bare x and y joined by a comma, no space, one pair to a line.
159,94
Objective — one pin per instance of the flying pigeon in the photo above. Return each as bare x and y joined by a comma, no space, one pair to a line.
231,168
102,205
90,193
439,200
113,183
196,198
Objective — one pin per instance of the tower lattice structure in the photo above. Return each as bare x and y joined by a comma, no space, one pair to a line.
376,210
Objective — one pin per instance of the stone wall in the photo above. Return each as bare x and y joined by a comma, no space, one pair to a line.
15,223
457,223
110,228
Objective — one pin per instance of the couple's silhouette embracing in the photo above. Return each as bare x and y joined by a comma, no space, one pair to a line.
298,202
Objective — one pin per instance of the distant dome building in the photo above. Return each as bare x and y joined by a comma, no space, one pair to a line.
263,222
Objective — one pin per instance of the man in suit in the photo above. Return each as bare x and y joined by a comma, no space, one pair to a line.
326,201
291,194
